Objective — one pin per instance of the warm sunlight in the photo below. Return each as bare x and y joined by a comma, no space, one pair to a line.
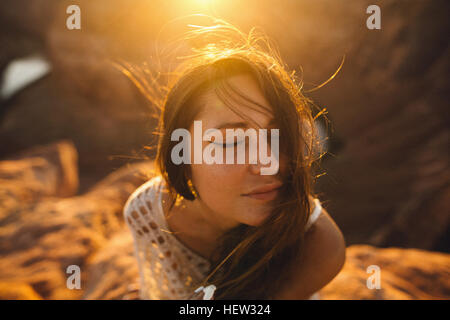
228,150
203,5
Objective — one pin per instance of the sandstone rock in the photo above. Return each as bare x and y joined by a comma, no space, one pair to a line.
32,175
61,157
406,274
386,177
41,240
113,271
17,291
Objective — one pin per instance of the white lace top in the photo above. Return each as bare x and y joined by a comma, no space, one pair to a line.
168,269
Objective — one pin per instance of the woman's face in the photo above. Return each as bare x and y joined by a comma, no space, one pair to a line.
224,188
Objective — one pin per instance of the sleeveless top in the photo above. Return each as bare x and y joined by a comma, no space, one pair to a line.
168,269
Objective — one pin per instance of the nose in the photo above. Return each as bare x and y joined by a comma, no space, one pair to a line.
256,168
267,159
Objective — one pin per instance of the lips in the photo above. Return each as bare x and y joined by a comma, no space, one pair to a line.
266,193
264,189
265,196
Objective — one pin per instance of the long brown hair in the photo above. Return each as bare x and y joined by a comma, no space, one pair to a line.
250,262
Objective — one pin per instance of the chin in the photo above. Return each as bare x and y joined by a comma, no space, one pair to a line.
256,219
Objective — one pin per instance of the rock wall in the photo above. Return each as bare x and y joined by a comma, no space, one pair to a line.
386,177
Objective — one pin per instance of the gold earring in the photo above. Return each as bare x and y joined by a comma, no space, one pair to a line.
191,188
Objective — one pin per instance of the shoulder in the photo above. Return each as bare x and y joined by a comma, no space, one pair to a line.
146,190
325,239
321,261
316,211
325,246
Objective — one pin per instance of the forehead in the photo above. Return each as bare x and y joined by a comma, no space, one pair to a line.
215,112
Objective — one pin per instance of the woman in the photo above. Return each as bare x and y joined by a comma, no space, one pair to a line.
250,235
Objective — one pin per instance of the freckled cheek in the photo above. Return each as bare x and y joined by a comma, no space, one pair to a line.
220,182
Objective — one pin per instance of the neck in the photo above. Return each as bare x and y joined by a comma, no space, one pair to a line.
206,219
196,225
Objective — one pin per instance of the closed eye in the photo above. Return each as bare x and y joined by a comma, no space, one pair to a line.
228,145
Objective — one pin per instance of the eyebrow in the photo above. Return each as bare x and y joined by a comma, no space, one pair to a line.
240,124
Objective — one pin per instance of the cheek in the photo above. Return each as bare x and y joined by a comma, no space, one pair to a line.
219,185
